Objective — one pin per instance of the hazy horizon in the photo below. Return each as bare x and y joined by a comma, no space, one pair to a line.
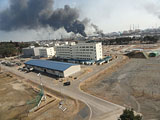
109,16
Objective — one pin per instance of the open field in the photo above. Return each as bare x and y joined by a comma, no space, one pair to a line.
135,84
13,97
15,93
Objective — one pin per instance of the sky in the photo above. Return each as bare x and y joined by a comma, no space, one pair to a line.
108,15
117,15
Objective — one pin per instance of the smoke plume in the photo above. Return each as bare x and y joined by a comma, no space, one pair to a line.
153,8
97,30
34,14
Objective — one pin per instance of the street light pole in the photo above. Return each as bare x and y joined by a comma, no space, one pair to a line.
39,74
0,67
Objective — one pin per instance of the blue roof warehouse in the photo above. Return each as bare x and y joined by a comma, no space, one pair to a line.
61,69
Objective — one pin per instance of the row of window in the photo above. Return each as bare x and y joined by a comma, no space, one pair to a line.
74,52
63,52
85,50
62,47
83,58
86,47
82,53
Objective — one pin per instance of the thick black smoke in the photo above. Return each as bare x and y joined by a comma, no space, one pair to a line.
32,14
97,30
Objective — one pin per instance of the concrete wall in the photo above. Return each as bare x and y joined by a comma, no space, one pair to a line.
43,52
53,72
36,51
28,52
57,73
50,52
47,52
72,70
99,54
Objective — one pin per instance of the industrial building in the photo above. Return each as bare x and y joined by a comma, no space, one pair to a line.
47,52
80,51
38,51
31,51
60,69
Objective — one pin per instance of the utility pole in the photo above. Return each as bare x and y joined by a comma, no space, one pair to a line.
0,67
39,74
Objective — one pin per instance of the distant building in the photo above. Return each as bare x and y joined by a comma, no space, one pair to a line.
47,52
38,51
80,51
60,69
31,51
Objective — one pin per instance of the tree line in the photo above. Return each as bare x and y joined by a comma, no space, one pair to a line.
9,49
134,40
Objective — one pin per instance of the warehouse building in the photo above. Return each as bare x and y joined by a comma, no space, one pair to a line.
80,51
60,69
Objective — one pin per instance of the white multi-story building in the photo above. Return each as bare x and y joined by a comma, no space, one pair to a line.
47,52
38,51
80,51
31,51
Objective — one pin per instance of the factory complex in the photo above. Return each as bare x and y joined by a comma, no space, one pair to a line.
72,52
59,69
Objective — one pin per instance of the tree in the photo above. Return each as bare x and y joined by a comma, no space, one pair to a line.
128,114
7,50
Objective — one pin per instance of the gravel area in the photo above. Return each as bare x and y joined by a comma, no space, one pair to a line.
136,84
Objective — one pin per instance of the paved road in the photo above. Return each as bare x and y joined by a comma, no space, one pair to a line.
99,108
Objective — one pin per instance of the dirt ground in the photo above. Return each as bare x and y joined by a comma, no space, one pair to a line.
135,84
13,97
14,93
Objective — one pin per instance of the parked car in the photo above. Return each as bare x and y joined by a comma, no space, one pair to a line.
20,69
67,83
19,64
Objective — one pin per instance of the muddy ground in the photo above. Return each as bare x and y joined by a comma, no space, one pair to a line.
135,84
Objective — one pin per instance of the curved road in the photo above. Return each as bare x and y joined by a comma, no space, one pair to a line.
99,108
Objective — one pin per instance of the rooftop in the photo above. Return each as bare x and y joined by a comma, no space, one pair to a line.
53,65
